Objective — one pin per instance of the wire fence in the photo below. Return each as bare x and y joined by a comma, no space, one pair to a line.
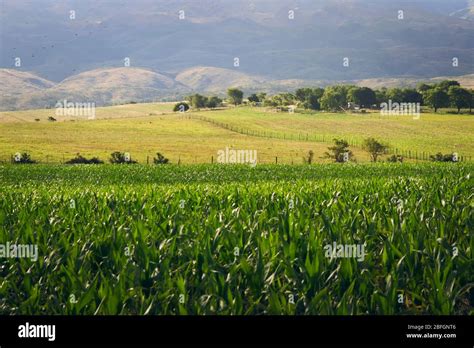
147,157
319,138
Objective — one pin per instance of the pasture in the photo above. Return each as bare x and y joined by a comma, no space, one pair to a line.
196,136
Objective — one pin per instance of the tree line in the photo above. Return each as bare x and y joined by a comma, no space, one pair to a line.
448,93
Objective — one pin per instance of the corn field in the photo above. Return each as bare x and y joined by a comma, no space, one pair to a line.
231,239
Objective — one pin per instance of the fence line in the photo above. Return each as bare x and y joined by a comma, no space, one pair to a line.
319,138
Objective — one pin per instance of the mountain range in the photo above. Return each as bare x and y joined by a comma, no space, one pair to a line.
113,51
106,86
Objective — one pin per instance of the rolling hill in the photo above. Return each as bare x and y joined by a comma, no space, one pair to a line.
109,86
101,86
15,82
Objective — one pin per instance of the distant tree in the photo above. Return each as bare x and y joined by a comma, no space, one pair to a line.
318,92
459,97
381,96
375,148
160,159
340,151
471,100
181,107
411,95
308,98
284,99
261,97
270,101
302,94
423,87
363,96
312,103
253,98
197,101
235,95
396,95
334,98
444,85
213,102
436,98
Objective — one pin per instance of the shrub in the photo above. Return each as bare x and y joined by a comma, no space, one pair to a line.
439,157
82,160
160,159
308,159
395,159
181,107
121,158
22,158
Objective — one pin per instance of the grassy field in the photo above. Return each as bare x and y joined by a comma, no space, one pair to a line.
238,240
144,129
430,133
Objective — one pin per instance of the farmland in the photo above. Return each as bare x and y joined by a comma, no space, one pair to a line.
230,239
196,136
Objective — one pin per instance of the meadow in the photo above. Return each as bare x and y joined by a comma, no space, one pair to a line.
196,137
235,239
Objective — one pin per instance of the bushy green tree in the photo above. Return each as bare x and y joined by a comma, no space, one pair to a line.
340,151
363,96
446,84
235,96
411,95
381,96
396,95
197,101
308,98
436,98
213,102
375,148
459,97
334,98
253,98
